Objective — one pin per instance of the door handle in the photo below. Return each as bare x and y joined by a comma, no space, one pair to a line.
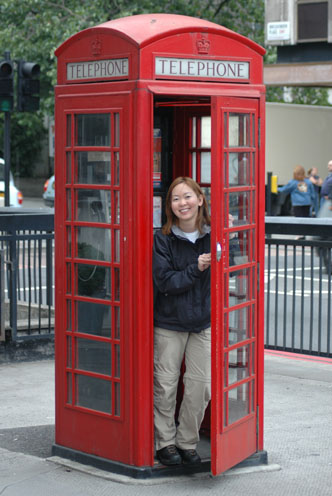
218,252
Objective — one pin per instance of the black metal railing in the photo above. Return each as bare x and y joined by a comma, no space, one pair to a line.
298,280
298,285
26,259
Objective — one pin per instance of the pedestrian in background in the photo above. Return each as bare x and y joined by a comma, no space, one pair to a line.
181,276
301,191
317,182
327,184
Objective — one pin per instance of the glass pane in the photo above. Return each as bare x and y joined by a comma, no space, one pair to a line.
239,248
116,258
238,326
68,230
93,129
207,193
93,167
238,287
312,20
116,284
68,315
253,358
206,132
193,141
93,393
116,129
238,131
69,352
239,209
93,205
225,130
69,388
117,322
68,168
238,403
68,204
68,140
93,281
193,166
252,396
93,318
93,243
206,167
238,365
93,356
68,288
117,207
117,399
238,169
116,175
117,361
157,148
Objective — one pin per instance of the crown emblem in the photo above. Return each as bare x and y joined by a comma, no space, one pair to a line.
203,45
96,47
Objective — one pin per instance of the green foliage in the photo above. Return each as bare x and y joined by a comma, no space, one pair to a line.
33,29
310,96
27,134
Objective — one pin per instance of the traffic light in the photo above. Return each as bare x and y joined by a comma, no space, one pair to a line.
28,86
6,86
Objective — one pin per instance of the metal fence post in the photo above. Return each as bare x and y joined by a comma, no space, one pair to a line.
2,296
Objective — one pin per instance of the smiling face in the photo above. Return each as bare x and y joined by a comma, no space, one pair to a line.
185,204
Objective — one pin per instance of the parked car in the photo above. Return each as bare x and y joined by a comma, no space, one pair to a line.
15,195
49,191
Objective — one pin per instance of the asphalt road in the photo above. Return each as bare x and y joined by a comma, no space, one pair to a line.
33,203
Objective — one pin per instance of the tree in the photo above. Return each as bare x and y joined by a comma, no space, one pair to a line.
33,29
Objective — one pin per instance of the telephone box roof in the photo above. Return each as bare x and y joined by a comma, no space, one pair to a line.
143,29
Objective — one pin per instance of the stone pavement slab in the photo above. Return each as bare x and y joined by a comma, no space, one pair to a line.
298,439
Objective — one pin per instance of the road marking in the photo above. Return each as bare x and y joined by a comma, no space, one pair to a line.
298,356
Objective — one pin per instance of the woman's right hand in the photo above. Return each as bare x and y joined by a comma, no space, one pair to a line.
204,261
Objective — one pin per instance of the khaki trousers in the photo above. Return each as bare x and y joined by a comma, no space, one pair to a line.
169,349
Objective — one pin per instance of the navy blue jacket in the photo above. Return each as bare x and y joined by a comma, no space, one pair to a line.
326,186
181,290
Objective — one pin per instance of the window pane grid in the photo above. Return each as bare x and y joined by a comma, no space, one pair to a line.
200,149
93,182
239,134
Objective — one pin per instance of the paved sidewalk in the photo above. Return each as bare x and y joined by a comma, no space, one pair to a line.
298,439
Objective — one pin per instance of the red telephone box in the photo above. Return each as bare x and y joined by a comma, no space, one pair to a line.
139,101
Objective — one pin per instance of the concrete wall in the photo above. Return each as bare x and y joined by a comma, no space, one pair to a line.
286,10
297,135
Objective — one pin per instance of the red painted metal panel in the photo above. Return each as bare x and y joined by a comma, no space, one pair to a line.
261,257
235,408
80,428
128,437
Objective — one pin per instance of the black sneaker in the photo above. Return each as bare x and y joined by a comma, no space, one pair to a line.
189,456
169,455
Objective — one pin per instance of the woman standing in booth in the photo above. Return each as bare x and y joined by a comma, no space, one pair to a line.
181,275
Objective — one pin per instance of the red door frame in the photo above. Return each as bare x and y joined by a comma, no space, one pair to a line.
233,443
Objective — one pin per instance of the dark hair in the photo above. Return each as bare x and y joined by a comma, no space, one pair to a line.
203,216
